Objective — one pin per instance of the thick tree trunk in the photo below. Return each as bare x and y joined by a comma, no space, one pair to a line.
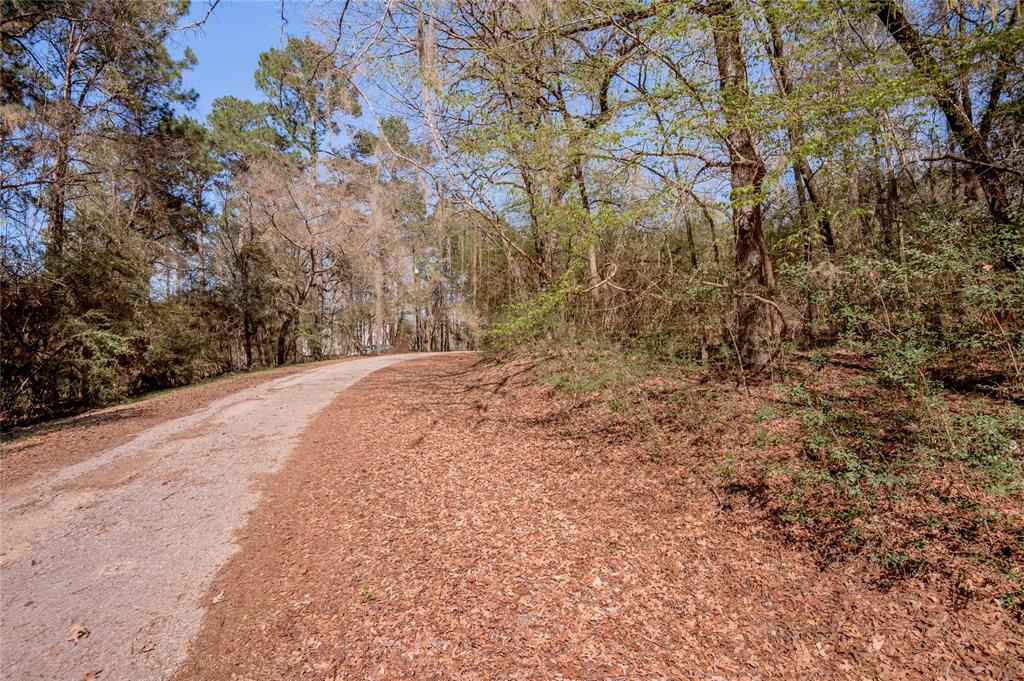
757,320
282,341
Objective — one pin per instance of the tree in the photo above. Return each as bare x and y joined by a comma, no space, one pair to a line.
79,66
306,92
757,322
973,145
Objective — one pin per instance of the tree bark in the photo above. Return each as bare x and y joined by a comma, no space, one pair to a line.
200,236
377,337
595,275
247,333
282,341
757,320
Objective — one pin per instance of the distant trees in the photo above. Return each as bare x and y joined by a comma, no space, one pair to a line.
142,248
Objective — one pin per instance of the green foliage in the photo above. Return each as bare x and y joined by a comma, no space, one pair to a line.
306,92
946,306
727,468
1014,603
990,441
873,465
594,368
396,141
180,347
102,353
901,363
239,132
536,317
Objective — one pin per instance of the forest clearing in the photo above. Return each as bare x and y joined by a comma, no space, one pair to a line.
580,339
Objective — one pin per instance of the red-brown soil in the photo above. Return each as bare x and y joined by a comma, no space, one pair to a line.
69,441
434,524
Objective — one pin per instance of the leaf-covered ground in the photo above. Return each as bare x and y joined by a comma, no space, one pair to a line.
448,519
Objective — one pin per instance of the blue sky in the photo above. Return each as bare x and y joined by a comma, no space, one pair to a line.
229,44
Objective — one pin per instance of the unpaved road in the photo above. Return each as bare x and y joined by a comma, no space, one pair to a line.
103,563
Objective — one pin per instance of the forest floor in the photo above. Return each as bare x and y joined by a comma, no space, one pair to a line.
447,519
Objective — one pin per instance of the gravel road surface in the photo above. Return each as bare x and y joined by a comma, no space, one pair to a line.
103,563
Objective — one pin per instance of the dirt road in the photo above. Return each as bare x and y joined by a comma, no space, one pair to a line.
102,563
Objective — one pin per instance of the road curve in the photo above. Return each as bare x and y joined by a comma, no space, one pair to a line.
103,563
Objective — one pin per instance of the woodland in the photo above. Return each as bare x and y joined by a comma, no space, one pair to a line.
770,247
726,184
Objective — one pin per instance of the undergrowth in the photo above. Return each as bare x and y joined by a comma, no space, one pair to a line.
883,467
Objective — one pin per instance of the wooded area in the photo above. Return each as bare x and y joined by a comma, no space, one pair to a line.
722,183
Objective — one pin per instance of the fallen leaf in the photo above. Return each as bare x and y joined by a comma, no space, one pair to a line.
77,632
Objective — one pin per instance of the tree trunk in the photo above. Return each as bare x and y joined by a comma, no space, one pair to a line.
377,332
803,175
57,198
282,341
594,274
757,320
247,335
200,237
972,145
377,324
